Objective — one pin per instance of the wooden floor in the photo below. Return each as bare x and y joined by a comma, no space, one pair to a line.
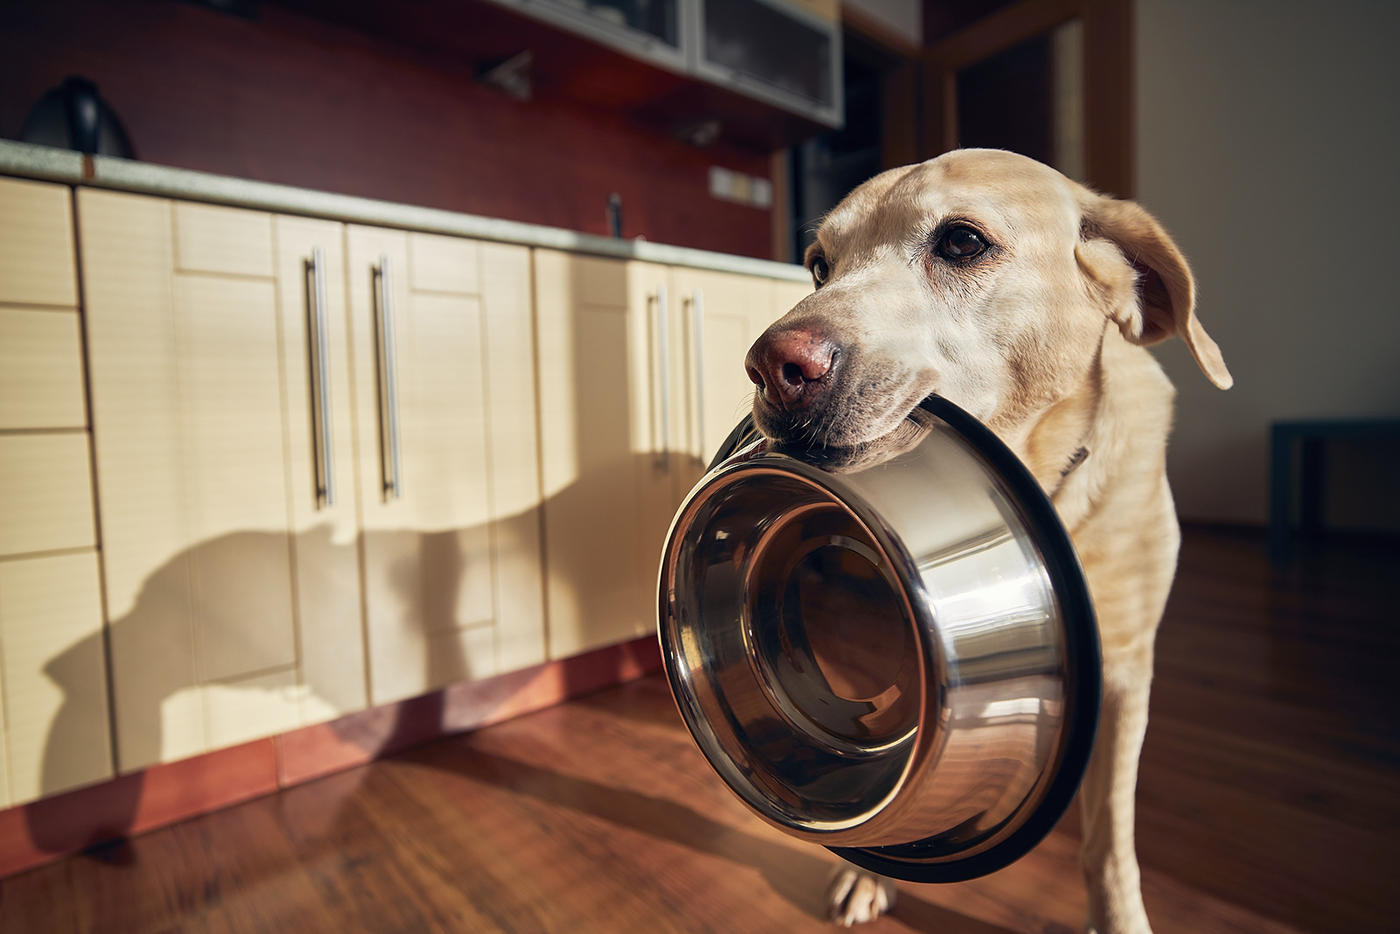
1269,802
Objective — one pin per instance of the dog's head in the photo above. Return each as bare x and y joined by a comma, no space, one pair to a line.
981,275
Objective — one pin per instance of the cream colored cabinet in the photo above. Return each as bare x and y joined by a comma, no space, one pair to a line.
220,383
662,383
722,314
324,475
642,378
448,461
317,464
321,467
602,324
53,682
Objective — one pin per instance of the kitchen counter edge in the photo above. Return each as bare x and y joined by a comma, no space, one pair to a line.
45,163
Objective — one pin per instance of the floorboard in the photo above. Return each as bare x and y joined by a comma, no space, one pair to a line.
1269,803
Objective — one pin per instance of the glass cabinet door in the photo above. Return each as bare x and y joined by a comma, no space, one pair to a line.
657,18
775,51
652,30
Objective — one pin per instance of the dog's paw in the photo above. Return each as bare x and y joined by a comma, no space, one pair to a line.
854,896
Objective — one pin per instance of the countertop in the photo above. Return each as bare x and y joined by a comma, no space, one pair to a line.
26,160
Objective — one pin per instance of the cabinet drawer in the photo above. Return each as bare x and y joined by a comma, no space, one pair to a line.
45,493
55,679
41,369
36,244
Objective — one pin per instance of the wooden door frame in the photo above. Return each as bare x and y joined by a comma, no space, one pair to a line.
1108,79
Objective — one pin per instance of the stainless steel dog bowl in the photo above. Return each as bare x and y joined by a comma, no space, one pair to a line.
899,662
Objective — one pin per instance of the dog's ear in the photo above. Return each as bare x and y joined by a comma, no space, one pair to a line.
1144,280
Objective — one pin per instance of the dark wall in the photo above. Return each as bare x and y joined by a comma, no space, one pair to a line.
293,100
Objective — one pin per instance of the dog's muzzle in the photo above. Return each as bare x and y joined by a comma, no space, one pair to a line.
899,661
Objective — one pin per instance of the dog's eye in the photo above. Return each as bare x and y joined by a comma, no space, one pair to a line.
820,270
960,243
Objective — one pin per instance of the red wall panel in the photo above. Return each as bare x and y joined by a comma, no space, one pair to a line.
293,100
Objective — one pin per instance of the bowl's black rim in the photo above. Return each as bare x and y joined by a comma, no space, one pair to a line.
1083,659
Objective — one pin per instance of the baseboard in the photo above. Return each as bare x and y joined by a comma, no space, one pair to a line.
42,831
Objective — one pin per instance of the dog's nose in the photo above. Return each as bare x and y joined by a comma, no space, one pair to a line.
790,366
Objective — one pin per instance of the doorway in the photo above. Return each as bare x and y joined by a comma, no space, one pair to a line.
1051,79
824,169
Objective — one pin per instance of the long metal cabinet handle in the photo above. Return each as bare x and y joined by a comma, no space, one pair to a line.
321,381
697,312
388,386
663,371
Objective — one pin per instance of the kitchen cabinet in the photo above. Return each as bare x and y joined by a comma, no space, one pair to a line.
46,495
651,30
218,536
600,433
723,313
332,462
53,684
325,528
36,245
785,53
448,460
641,379
41,368
268,457
763,74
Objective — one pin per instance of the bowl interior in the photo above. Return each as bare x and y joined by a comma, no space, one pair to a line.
802,661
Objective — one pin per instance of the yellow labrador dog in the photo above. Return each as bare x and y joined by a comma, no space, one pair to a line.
1026,299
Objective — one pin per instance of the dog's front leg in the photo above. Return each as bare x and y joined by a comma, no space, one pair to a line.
1106,800
854,896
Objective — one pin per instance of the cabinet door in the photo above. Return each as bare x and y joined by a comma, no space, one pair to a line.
724,314
608,490
193,355
324,523
451,594
53,673
507,298
662,399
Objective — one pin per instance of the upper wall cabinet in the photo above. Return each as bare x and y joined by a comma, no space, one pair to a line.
655,30
53,678
760,73
785,53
